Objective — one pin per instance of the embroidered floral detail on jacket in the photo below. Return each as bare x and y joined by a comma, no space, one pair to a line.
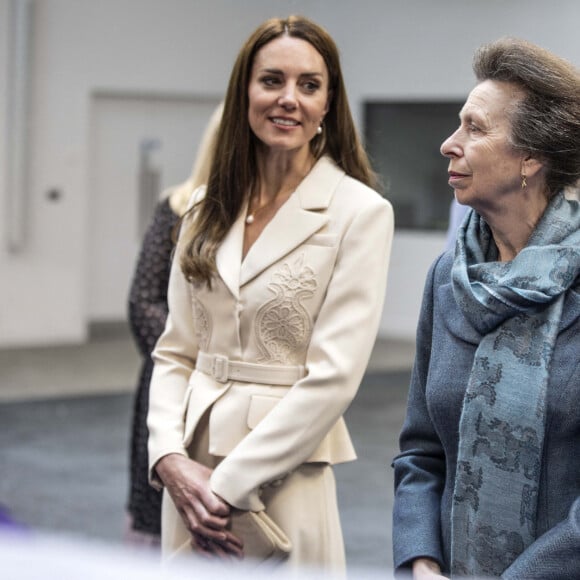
201,323
283,324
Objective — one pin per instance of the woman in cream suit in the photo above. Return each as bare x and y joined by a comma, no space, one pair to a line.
275,298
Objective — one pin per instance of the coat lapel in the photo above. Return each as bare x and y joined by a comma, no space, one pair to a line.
229,255
295,221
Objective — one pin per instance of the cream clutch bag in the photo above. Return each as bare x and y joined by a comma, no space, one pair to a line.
263,539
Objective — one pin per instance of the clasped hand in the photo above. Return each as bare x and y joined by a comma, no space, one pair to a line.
427,569
205,514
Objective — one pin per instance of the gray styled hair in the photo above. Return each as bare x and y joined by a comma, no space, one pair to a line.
546,121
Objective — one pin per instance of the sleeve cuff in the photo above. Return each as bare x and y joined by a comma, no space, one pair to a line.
231,490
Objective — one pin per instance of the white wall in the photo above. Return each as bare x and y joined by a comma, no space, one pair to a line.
390,49
4,43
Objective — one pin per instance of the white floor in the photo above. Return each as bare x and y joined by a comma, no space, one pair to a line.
64,451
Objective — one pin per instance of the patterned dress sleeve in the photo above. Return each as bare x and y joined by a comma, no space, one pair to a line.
148,293
147,315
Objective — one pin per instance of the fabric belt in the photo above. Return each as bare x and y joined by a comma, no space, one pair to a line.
223,370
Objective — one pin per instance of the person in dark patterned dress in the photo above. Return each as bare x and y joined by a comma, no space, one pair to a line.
147,316
487,483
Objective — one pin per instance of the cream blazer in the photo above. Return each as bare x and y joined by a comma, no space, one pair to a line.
309,292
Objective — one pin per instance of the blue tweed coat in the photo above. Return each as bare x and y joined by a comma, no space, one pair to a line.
425,468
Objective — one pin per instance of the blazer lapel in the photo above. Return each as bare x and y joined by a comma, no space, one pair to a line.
229,255
295,221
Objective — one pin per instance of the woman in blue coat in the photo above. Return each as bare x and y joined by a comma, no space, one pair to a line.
488,477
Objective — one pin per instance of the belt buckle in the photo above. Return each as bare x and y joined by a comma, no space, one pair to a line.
219,370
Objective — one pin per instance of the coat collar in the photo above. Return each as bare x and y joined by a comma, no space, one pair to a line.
294,222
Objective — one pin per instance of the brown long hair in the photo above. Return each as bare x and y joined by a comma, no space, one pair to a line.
546,121
234,168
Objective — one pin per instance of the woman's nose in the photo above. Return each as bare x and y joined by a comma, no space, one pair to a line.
450,147
288,97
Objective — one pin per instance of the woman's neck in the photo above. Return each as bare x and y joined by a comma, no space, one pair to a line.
512,224
280,174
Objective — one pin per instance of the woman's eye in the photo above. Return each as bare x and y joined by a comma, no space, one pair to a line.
270,81
311,86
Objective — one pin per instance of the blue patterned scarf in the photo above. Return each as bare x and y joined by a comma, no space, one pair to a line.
517,307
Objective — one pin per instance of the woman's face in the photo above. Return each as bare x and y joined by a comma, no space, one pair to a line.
484,167
288,94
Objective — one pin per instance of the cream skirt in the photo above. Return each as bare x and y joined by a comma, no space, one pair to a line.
304,506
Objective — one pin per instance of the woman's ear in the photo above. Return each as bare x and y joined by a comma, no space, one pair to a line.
531,165
328,101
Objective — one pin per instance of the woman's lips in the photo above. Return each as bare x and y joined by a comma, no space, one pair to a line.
455,177
285,123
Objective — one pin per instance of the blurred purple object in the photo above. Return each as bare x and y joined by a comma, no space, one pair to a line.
7,522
